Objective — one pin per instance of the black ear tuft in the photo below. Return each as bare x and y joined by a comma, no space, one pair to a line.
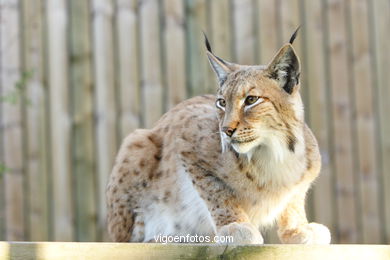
294,35
207,43
285,68
221,68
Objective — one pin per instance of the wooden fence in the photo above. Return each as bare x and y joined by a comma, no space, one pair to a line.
77,76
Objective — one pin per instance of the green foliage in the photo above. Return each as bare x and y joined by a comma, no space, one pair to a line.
3,169
16,95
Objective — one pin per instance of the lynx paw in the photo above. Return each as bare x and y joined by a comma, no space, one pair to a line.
311,233
242,233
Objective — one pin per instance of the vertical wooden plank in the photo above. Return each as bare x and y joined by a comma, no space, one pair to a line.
47,123
152,87
210,76
268,30
244,37
289,15
83,143
256,31
380,64
364,123
323,197
36,131
341,114
290,19
129,88
220,34
11,119
60,120
354,130
199,80
105,101
3,169
174,42
3,223
221,29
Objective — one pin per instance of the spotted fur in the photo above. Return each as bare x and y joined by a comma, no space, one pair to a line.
187,176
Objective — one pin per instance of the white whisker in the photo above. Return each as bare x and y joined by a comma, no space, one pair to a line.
224,142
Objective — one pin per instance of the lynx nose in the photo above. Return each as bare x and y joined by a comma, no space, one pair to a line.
229,131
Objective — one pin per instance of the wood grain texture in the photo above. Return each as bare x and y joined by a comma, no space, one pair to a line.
83,141
199,78
174,48
243,29
152,85
267,30
105,108
12,121
127,31
341,116
36,130
57,26
221,35
380,63
221,29
364,122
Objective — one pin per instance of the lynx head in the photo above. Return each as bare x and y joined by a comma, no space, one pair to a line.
259,105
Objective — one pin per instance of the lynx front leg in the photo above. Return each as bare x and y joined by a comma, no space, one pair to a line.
232,221
242,233
293,227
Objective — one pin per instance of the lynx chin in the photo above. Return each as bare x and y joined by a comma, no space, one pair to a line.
232,164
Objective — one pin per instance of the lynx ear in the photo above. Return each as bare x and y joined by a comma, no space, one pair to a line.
221,68
285,68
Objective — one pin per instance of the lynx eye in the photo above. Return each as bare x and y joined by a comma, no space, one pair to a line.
250,100
221,103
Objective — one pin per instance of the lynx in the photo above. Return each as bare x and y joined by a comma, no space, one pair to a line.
226,165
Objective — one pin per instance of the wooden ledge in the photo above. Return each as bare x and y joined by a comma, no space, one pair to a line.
114,251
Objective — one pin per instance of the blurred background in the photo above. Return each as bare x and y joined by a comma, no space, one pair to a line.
77,76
